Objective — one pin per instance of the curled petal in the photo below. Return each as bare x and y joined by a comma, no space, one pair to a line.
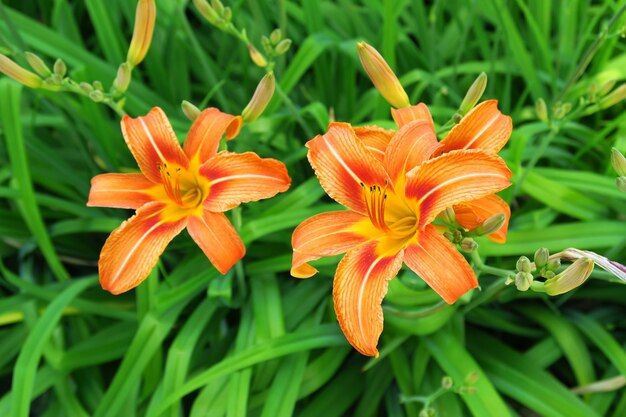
484,127
343,166
358,290
237,178
206,132
121,191
410,114
325,234
153,143
453,178
217,238
413,144
375,139
439,263
133,249
472,213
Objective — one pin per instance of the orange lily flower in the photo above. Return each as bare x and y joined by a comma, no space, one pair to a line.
393,190
484,128
177,188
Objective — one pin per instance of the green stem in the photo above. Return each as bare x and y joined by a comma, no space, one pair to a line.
414,314
480,265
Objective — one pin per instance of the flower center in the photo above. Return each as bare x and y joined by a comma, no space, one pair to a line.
181,186
375,197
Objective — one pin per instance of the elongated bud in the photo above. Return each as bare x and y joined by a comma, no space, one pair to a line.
541,257
621,183
206,10
523,280
491,225
60,68
574,276
19,74
260,99
606,88
191,111
283,46
122,80
145,17
468,245
217,6
613,97
447,216
382,76
256,56
619,162
38,65
541,109
474,94
523,264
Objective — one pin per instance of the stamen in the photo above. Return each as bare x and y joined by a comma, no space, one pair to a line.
375,197
171,184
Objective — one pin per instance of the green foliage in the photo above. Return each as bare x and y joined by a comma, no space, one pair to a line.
258,342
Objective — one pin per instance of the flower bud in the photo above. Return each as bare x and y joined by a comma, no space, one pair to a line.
523,280
260,99
458,236
96,95
447,382
509,280
619,162
472,378
145,17
227,14
574,276
542,110
283,46
468,245
523,264
606,87
206,10
218,7
38,65
447,216
98,85
613,97
448,235
491,225
474,94
548,274
60,68
19,74
86,87
541,257
121,82
621,183
256,56
191,111
276,36
382,76
553,264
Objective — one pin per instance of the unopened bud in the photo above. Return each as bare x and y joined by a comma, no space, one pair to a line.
96,95
276,36
448,235
428,412
523,280
491,225
472,378
256,56
458,236
553,264
38,65
122,81
145,16
206,10
613,97
382,76
523,264
548,274
98,85
468,245
621,183
619,162
260,99
265,43
217,6
606,88
447,216
509,280
283,46
19,74
447,382
541,109
574,276
86,87
227,15
474,94
60,68
541,257
54,79
191,111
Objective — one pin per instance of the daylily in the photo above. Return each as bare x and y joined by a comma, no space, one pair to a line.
394,189
179,187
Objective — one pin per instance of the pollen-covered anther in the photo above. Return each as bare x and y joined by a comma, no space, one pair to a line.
171,183
375,197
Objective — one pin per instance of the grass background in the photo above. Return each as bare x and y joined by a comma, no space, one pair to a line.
189,342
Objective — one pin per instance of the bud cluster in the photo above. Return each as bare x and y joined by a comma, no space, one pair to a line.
447,386
463,237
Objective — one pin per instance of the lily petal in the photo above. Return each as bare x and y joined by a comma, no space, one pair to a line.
152,142
217,238
454,178
121,191
358,290
484,127
324,234
206,132
343,164
440,264
409,114
237,178
413,144
375,139
133,249
472,213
